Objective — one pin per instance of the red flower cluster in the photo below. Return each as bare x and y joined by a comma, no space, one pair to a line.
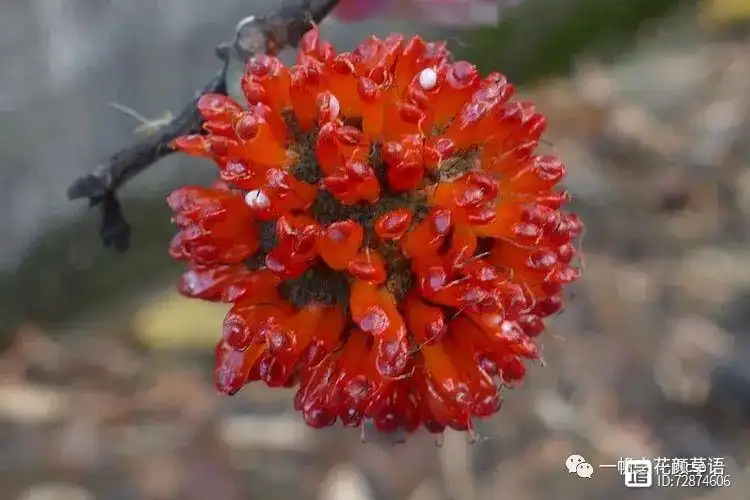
387,238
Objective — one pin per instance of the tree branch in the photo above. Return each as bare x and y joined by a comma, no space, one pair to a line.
254,35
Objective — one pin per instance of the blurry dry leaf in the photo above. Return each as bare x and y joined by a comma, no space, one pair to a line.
170,321
726,11
725,271
267,433
159,477
427,490
455,459
687,356
56,491
31,404
345,483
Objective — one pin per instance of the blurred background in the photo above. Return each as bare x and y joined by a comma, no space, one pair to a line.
105,388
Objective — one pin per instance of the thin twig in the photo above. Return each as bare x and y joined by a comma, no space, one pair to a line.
254,34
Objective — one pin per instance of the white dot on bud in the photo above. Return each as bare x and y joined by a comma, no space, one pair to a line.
427,79
257,199
328,107
334,103
334,108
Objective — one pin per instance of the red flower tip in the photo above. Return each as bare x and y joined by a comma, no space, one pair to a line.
388,238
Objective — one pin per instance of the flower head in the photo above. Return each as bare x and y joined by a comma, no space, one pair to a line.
388,239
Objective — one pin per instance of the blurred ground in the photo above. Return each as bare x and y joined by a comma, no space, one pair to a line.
650,359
